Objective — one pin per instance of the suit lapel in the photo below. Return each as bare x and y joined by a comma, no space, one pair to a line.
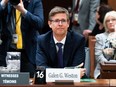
52,50
67,49
74,1
11,18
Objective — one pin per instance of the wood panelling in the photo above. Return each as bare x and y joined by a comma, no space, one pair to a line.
112,3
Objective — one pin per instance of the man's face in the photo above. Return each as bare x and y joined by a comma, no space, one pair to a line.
59,24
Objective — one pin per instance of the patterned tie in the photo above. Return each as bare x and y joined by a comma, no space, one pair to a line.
18,30
60,55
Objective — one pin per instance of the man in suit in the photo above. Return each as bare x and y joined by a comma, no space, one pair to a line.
31,23
73,44
85,13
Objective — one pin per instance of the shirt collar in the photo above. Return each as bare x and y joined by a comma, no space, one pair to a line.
62,41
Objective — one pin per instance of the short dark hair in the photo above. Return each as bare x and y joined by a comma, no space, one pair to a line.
56,10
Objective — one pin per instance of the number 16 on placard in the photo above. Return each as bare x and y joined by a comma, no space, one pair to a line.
40,74
40,77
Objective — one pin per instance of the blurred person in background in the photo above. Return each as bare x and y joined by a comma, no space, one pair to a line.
83,16
31,15
101,11
105,46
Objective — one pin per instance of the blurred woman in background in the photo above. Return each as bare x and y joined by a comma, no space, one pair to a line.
101,11
105,46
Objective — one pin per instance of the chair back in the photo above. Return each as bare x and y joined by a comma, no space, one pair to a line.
92,41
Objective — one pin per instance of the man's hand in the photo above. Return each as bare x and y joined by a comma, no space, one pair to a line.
4,2
86,33
82,72
20,7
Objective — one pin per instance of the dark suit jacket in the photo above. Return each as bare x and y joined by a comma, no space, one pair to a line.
73,53
31,23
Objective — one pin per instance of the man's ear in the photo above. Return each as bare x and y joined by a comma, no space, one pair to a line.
49,23
68,23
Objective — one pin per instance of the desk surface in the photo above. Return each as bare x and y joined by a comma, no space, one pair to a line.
112,82
97,83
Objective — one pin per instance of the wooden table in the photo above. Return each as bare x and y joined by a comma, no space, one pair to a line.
97,83
112,82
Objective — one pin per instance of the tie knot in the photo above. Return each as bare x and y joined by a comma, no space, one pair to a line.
59,45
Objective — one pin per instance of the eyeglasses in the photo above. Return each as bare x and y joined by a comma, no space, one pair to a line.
63,21
110,20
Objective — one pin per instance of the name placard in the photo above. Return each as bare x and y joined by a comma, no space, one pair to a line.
14,78
59,74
